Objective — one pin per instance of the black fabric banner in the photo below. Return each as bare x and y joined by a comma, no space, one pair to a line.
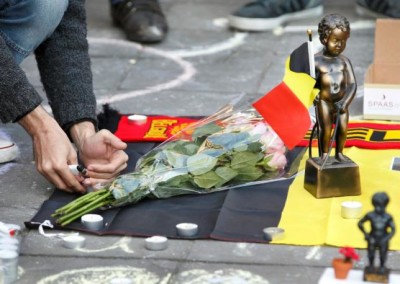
237,214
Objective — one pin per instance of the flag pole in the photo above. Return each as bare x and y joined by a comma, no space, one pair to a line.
312,74
311,53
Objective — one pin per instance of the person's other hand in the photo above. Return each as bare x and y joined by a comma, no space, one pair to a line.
52,149
102,153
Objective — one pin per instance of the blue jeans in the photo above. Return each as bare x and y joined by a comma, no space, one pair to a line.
25,24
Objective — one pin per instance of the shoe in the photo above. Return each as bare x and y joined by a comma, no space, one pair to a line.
264,15
142,20
378,8
8,151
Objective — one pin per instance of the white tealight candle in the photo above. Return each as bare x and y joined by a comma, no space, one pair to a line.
92,221
351,209
187,229
73,241
137,119
156,243
273,233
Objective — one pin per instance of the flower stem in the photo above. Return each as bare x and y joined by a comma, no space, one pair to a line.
87,205
76,216
77,202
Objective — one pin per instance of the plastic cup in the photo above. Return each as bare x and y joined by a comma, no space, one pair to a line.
9,247
9,264
8,243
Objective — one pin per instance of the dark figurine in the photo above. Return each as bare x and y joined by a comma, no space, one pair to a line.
336,82
382,230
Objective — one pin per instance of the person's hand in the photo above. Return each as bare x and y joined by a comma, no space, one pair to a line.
102,153
52,149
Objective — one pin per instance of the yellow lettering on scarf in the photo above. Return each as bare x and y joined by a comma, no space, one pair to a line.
158,128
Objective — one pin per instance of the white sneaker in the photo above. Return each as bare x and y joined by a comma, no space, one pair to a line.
8,151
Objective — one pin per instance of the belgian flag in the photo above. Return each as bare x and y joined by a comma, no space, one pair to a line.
286,106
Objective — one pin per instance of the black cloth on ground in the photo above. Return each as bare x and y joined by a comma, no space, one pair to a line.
237,214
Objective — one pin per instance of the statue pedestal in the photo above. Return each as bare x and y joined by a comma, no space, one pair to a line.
335,179
373,275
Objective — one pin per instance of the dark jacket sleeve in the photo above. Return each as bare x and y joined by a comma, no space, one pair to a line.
65,71
17,95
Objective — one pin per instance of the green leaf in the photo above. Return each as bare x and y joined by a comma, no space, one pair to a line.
249,174
125,184
255,147
168,175
177,181
229,140
226,173
207,180
206,130
200,163
185,147
191,148
213,152
243,160
240,148
149,158
175,159
264,163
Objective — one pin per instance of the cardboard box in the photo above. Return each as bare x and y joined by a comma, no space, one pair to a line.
382,80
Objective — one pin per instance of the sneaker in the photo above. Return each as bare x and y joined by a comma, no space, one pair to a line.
378,8
263,15
142,20
8,151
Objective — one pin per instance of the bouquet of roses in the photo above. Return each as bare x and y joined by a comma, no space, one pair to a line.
228,149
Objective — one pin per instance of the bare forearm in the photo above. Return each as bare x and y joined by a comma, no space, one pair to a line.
37,121
53,150
79,132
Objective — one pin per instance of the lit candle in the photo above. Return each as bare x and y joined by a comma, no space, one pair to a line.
156,243
187,229
137,119
92,221
273,233
351,209
73,241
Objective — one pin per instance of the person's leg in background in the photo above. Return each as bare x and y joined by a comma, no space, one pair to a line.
264,15
141,20
24,24
378,8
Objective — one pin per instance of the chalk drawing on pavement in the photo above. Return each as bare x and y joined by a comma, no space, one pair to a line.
122,243
102,275
105,275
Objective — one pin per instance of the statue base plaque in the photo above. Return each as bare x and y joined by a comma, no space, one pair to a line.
374,275
337,178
